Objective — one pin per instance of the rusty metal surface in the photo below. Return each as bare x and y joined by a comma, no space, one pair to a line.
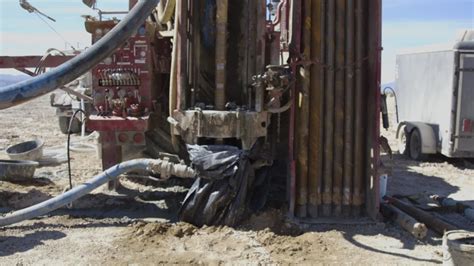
243,125
294,43
373,125
302,117
339,107
329,109
349,110
343,150
316,109
182,60
221,53
359,164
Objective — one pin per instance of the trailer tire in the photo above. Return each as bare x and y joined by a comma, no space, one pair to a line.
403,141
415,145
64,124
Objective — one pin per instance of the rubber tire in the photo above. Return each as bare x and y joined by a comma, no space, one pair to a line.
403,141
64,125
414,146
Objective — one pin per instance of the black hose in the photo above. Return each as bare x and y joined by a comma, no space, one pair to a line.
69,143
396,100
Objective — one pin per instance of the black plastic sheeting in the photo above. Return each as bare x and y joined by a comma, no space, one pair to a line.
228,186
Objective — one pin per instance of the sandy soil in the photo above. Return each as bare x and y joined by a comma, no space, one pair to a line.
138,226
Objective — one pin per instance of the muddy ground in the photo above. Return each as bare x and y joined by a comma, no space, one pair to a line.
138,225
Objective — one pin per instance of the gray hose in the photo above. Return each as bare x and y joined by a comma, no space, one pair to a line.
75,193
67,72
163,167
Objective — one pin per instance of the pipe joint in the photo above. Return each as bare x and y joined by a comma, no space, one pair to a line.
166,169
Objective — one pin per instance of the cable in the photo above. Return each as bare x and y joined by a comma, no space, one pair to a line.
69,142
53,29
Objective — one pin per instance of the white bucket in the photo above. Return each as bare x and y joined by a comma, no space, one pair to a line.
458,248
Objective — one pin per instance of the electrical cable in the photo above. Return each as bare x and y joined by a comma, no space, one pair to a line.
69,142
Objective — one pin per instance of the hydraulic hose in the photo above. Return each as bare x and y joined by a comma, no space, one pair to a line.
163,167
32,88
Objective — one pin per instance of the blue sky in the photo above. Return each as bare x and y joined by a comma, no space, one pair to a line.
416,23
407,23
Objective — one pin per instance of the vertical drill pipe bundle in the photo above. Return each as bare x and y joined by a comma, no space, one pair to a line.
342,149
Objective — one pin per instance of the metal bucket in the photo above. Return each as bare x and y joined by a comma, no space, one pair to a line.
458,248
17,169
29,151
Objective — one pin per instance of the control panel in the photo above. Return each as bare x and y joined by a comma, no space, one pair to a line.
122,81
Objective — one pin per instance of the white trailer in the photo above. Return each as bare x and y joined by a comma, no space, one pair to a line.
435,92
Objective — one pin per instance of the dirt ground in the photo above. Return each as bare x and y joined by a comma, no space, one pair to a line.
138,225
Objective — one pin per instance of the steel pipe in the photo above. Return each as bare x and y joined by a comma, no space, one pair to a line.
35,87
339,108
182,54
303,118
166,11
174,70
435,224
329,108
359,153
316,108
221,52
349,112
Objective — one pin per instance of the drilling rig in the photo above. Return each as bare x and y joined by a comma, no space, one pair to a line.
295,80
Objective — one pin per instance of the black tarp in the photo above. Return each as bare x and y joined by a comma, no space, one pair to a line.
227,186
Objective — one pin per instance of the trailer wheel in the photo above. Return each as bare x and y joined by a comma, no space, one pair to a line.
403,142
64,125
415,145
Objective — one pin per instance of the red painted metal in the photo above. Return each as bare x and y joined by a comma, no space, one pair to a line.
123,89
467,125
32,61
117,124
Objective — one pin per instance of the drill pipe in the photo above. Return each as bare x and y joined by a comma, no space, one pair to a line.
40,85
182,53
316,108
435,224
349,111
221,52
339,107
303,119
329,109
359,154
